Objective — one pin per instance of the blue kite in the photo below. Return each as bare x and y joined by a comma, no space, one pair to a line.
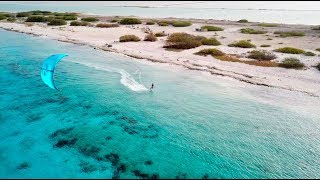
48,67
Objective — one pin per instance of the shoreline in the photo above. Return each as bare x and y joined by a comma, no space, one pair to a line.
260,76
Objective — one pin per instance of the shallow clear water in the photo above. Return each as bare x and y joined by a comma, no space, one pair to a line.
103,124
264,11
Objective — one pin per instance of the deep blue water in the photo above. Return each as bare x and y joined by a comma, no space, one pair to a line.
103,124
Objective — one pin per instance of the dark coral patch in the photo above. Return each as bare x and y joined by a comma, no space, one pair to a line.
149,162
65,142
113,158
23,165
108,138
89,150
63,131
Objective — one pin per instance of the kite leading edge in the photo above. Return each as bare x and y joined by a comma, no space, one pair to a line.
48,67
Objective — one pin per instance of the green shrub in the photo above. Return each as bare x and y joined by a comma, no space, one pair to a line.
212,28
150,37
90,19
268,25
290,50
211,41
211,51
130,21
11,19
265,45
269,39
182,41
181,23
242,44
261,55
69,18
23,14
107,25
163,23
2,17
291,63
289,33
38,12
316,28
57,22
318,49
7,15
150,23
252,31
36,18
160,34
114,20
128,38
308,53
78,23
243,21
318,66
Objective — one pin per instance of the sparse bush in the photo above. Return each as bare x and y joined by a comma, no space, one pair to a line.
243,21
163,23
268,25
90,19
160,34
318,49
107,25
11,19
261,55
316,28
269,39
211,41
37,12
150,23
2,17
7,15
252,31
211,51
309,53
242,44
289,33
290,50
265,45
114,20
57,22
212,28
318,66
128,38
69,18
23,14
182,41
36,18
78,23
291,63
150,37
128,21
181,23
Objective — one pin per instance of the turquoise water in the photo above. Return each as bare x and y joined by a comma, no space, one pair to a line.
103,124
275,12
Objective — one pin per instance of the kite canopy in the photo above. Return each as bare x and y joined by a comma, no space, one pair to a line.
48,67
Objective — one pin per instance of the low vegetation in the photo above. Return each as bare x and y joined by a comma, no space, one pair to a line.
261,55
105,25
290,50
232,58
114,20
182,41
37,18
90,19
11,19
265,45
318,49
269,39
129,38
291,63
23,14
318,66
128,21
212,28
268,25
150,37
150,23
38,12
181,23
243,21
163,23
160,34
252,31
309,53
210,41
57,22
211,51
2,17
78,23
242,44
290,33
316,28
